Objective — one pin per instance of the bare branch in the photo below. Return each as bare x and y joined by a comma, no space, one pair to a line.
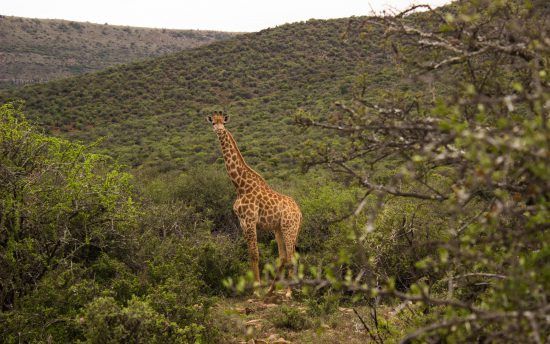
477,274
365,326
476,317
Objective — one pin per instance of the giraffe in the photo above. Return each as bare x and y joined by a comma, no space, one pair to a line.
258,206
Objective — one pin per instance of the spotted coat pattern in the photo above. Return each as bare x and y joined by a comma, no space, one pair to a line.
258,206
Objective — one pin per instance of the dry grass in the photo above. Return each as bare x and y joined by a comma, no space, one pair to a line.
243,320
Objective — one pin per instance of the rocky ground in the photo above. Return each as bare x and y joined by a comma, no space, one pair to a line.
280,320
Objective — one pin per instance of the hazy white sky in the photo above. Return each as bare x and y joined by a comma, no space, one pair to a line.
236,15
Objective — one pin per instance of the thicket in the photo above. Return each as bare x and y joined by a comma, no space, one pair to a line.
150,113
84,256
454,214
90,253
424,189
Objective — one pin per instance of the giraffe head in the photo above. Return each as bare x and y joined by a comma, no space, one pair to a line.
217,119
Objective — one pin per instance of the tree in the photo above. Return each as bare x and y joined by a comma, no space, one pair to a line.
59,205
469,149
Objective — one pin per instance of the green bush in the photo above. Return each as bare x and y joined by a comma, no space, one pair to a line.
50,309
59,205
105,321
206,189
290,318
456,167
220,258
324,304
84,258
324,203
405,234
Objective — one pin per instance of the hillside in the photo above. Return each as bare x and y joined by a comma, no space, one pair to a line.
151,112
424,191
38,50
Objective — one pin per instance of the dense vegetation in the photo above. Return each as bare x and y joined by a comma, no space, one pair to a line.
150,114
90,255
85,257
455,185
38,50
424,189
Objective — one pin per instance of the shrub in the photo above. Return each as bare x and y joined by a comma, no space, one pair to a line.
290,318
59,205
460,222
105,321
324,304
206,189
50,309
221,258
81,260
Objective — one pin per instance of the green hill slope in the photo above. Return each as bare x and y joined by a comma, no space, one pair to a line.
37,50
151,112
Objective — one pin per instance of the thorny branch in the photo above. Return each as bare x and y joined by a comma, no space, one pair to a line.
477,314
499,65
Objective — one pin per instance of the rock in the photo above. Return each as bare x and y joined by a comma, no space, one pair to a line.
272,337
346,310
254,322
275,339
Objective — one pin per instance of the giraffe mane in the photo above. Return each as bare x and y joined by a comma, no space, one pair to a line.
239,155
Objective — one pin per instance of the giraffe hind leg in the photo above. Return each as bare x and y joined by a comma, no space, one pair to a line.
282,261
290,236
286,240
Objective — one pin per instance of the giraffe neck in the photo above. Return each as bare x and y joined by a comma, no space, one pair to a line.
243,177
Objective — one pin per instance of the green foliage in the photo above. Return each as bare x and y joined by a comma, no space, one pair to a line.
50,309
456,176
208,190
290,318
105,321
86,258
446,176
220,260
323,203
151,112
405,234
59,205
323,304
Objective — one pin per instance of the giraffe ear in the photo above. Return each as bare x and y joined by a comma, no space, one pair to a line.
225,119
209,119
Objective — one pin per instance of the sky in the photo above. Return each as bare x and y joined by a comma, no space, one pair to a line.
235,15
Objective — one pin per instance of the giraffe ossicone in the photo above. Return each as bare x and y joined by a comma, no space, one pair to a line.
258,206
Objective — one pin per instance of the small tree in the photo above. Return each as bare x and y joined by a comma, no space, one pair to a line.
469,150
59,205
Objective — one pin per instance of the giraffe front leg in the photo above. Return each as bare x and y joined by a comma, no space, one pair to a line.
254,257
249,231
